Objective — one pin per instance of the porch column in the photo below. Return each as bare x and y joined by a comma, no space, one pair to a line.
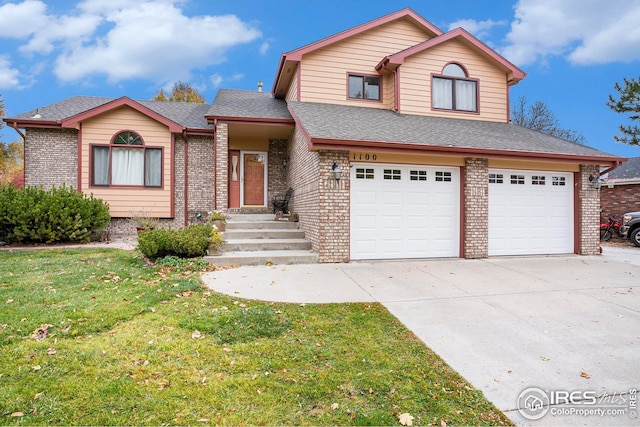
475,236
222,166
333,207
588,211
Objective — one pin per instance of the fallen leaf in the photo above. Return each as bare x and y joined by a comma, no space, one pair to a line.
442,423
334,406
405,419
196,335
17,414
544,358
36,368
51,351
9,301
585,375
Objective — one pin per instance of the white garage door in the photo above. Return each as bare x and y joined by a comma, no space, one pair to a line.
530,212
404,211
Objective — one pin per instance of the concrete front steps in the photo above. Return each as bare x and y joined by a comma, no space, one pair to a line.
257,239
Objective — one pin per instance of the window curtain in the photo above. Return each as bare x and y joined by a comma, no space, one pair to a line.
442,93
465,95
101,165
153,167
128,166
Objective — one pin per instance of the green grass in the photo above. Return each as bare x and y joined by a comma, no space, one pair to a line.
133,344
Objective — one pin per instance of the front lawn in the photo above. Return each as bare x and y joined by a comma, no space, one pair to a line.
99,337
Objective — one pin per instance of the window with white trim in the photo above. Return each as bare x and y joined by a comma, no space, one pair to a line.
538,180
558,180
443,176
417,175
496,178
126,161
517,179
392,174
364,173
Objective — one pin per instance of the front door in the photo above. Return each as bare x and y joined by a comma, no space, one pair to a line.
254,178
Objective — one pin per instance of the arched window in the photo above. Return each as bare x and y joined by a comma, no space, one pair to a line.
453,90
126,161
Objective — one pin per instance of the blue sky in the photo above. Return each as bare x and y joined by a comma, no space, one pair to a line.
572,50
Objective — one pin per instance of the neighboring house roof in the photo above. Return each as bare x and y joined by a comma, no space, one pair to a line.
245,105
295,56
329,126
629,170
515,73
185,114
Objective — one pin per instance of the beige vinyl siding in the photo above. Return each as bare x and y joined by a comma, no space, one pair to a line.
126,202
415,82
292,92
324,72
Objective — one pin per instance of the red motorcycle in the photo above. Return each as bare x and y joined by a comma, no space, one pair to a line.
608,228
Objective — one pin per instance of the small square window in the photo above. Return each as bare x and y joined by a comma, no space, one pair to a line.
392,174
558,180
418,175
362,173
517,179
443,176
538,180
496,178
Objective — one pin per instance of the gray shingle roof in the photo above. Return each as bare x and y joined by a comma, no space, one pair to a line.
628,170
248,104
377,125
184,113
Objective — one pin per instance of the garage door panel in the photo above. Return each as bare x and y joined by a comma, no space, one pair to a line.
533,216
413,219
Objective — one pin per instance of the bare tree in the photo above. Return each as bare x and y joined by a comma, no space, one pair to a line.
539,116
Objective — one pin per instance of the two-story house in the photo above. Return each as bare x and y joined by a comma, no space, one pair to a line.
394,136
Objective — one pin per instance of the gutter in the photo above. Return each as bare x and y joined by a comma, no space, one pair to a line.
15,127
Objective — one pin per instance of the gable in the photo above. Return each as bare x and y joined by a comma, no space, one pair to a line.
417,71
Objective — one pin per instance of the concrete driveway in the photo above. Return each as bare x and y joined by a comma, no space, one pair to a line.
560,323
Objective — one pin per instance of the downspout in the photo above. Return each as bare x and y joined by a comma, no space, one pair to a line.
185,141
24,153
215,164
396,85
615,166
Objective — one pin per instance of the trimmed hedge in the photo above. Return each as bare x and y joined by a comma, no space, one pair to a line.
188,242
61,214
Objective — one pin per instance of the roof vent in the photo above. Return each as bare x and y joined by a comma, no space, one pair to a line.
37,114
260,86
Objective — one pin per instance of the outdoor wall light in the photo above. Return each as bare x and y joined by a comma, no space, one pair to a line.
285,161
595,182
337,171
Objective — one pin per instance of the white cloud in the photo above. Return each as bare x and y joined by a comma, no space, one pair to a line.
20,20
583,31
153,40
216,80
264,47
480,29
9,77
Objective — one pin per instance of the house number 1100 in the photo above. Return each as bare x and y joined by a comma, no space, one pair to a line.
364,156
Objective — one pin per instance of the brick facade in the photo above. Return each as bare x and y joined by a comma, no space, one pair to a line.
333,208
302,175
201,176
476,208
51,157
618,200
222,166
277,179
588,211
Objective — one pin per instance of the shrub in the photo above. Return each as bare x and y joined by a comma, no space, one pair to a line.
32,214
188,242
